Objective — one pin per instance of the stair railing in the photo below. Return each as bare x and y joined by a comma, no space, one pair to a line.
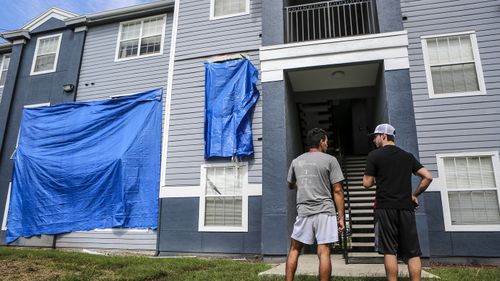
347,212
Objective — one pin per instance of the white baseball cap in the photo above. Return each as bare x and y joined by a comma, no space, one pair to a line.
384,129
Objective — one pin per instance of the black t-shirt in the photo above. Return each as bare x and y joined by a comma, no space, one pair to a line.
392,168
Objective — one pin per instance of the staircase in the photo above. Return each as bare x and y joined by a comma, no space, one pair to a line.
361,241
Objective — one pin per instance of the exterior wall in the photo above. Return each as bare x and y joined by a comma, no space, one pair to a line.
179,230
401,116
455,124
101,77
23,89
198,39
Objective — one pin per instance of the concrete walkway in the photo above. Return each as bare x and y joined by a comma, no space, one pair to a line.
308,265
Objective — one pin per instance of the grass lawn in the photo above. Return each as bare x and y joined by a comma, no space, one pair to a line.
22,264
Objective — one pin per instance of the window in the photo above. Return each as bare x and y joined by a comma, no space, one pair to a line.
13,155
4,66
228,8
224,199
46,54
471,193
6,210
141,38
452,65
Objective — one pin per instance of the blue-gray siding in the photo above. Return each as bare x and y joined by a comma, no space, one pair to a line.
198,39
22,89
100,78
455,124
179,230
186,134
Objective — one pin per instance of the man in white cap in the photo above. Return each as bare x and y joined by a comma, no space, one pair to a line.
391,169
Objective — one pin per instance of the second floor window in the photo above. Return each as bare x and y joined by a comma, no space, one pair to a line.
227,8
46,54
452,65
4,66
141,38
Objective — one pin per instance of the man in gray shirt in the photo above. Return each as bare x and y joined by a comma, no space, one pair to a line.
317,176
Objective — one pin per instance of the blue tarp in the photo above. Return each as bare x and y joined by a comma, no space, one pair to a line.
87,165
230,94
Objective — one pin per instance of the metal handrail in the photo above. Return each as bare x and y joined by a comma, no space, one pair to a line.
329,19
347,210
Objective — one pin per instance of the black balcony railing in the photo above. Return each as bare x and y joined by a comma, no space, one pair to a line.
330,19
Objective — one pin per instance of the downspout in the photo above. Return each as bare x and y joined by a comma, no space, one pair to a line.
166,122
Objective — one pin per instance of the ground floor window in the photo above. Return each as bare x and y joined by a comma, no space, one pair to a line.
471,191
224,197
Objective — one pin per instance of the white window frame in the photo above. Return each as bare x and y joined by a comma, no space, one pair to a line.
244,203
19,131
6,212
118,37
477,63
212,11
2,65
35,56
444,190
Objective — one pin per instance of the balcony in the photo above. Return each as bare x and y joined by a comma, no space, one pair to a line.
330,19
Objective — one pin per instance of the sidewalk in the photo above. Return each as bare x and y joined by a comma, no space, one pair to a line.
308,265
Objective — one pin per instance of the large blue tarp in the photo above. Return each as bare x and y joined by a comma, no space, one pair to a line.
230,95
87,165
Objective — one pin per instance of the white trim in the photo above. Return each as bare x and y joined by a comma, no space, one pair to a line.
19,41
120,230
477,64
1,67
254,189
81,28
35,56
212,11
168,98
6,211
54,12
390,47
37,105
444,191
141,20
19,131
180,191
244,195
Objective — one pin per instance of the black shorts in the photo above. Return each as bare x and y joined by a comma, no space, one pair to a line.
396,233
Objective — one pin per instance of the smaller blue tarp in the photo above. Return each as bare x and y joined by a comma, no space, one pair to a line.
230,95
87,165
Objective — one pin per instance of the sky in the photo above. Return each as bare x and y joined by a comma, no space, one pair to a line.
16,13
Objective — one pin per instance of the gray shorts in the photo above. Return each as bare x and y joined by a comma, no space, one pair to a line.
319,227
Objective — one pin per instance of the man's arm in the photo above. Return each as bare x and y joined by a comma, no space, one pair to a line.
368,181
338,197
425,181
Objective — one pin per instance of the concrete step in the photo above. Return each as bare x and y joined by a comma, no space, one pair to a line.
362,212
361,205
365,258
362,199
362,193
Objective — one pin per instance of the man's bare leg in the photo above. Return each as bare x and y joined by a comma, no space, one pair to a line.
325,264
391,267
293,258
415,268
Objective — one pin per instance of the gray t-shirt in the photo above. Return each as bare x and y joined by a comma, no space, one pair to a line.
315,173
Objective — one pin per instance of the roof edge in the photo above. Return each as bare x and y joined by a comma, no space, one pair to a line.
15,35
121,13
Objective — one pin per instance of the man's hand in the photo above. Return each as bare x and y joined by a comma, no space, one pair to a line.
415,201
340,224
